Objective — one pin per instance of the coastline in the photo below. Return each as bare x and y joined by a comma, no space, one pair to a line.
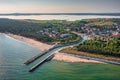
32,42
58,55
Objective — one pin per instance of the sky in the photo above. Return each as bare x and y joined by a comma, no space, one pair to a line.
59,6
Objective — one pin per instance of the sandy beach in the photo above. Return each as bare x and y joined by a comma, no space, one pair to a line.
69,58
34,43
58,56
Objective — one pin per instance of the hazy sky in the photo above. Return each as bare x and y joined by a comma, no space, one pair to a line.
57,6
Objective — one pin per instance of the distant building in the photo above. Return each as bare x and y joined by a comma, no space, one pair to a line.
64,35
116,34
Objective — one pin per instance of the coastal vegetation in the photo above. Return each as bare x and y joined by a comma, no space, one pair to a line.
103,39
100,47
48,31
103,33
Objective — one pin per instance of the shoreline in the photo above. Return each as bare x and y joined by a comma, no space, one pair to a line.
32,42
58,55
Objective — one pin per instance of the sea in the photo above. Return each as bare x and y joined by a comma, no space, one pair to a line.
58,17
13,53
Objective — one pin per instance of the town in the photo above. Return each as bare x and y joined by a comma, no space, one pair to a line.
98,27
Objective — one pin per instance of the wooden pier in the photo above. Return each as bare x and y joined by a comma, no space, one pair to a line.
41,62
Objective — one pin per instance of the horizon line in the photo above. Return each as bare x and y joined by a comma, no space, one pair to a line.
75,13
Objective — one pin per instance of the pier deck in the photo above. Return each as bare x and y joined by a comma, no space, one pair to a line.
44,60
38,56
34,58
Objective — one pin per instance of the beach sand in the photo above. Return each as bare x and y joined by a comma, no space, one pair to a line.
34,43
69,58
58,56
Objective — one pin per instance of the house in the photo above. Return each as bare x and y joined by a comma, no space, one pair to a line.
64,35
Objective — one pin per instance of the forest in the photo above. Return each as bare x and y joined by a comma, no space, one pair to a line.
48,31
101,45
61,31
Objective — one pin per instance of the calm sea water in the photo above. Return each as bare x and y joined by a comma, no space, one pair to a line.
58,17
13,53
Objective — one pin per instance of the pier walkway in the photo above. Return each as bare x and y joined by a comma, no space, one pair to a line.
42,61
47,55
34,58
